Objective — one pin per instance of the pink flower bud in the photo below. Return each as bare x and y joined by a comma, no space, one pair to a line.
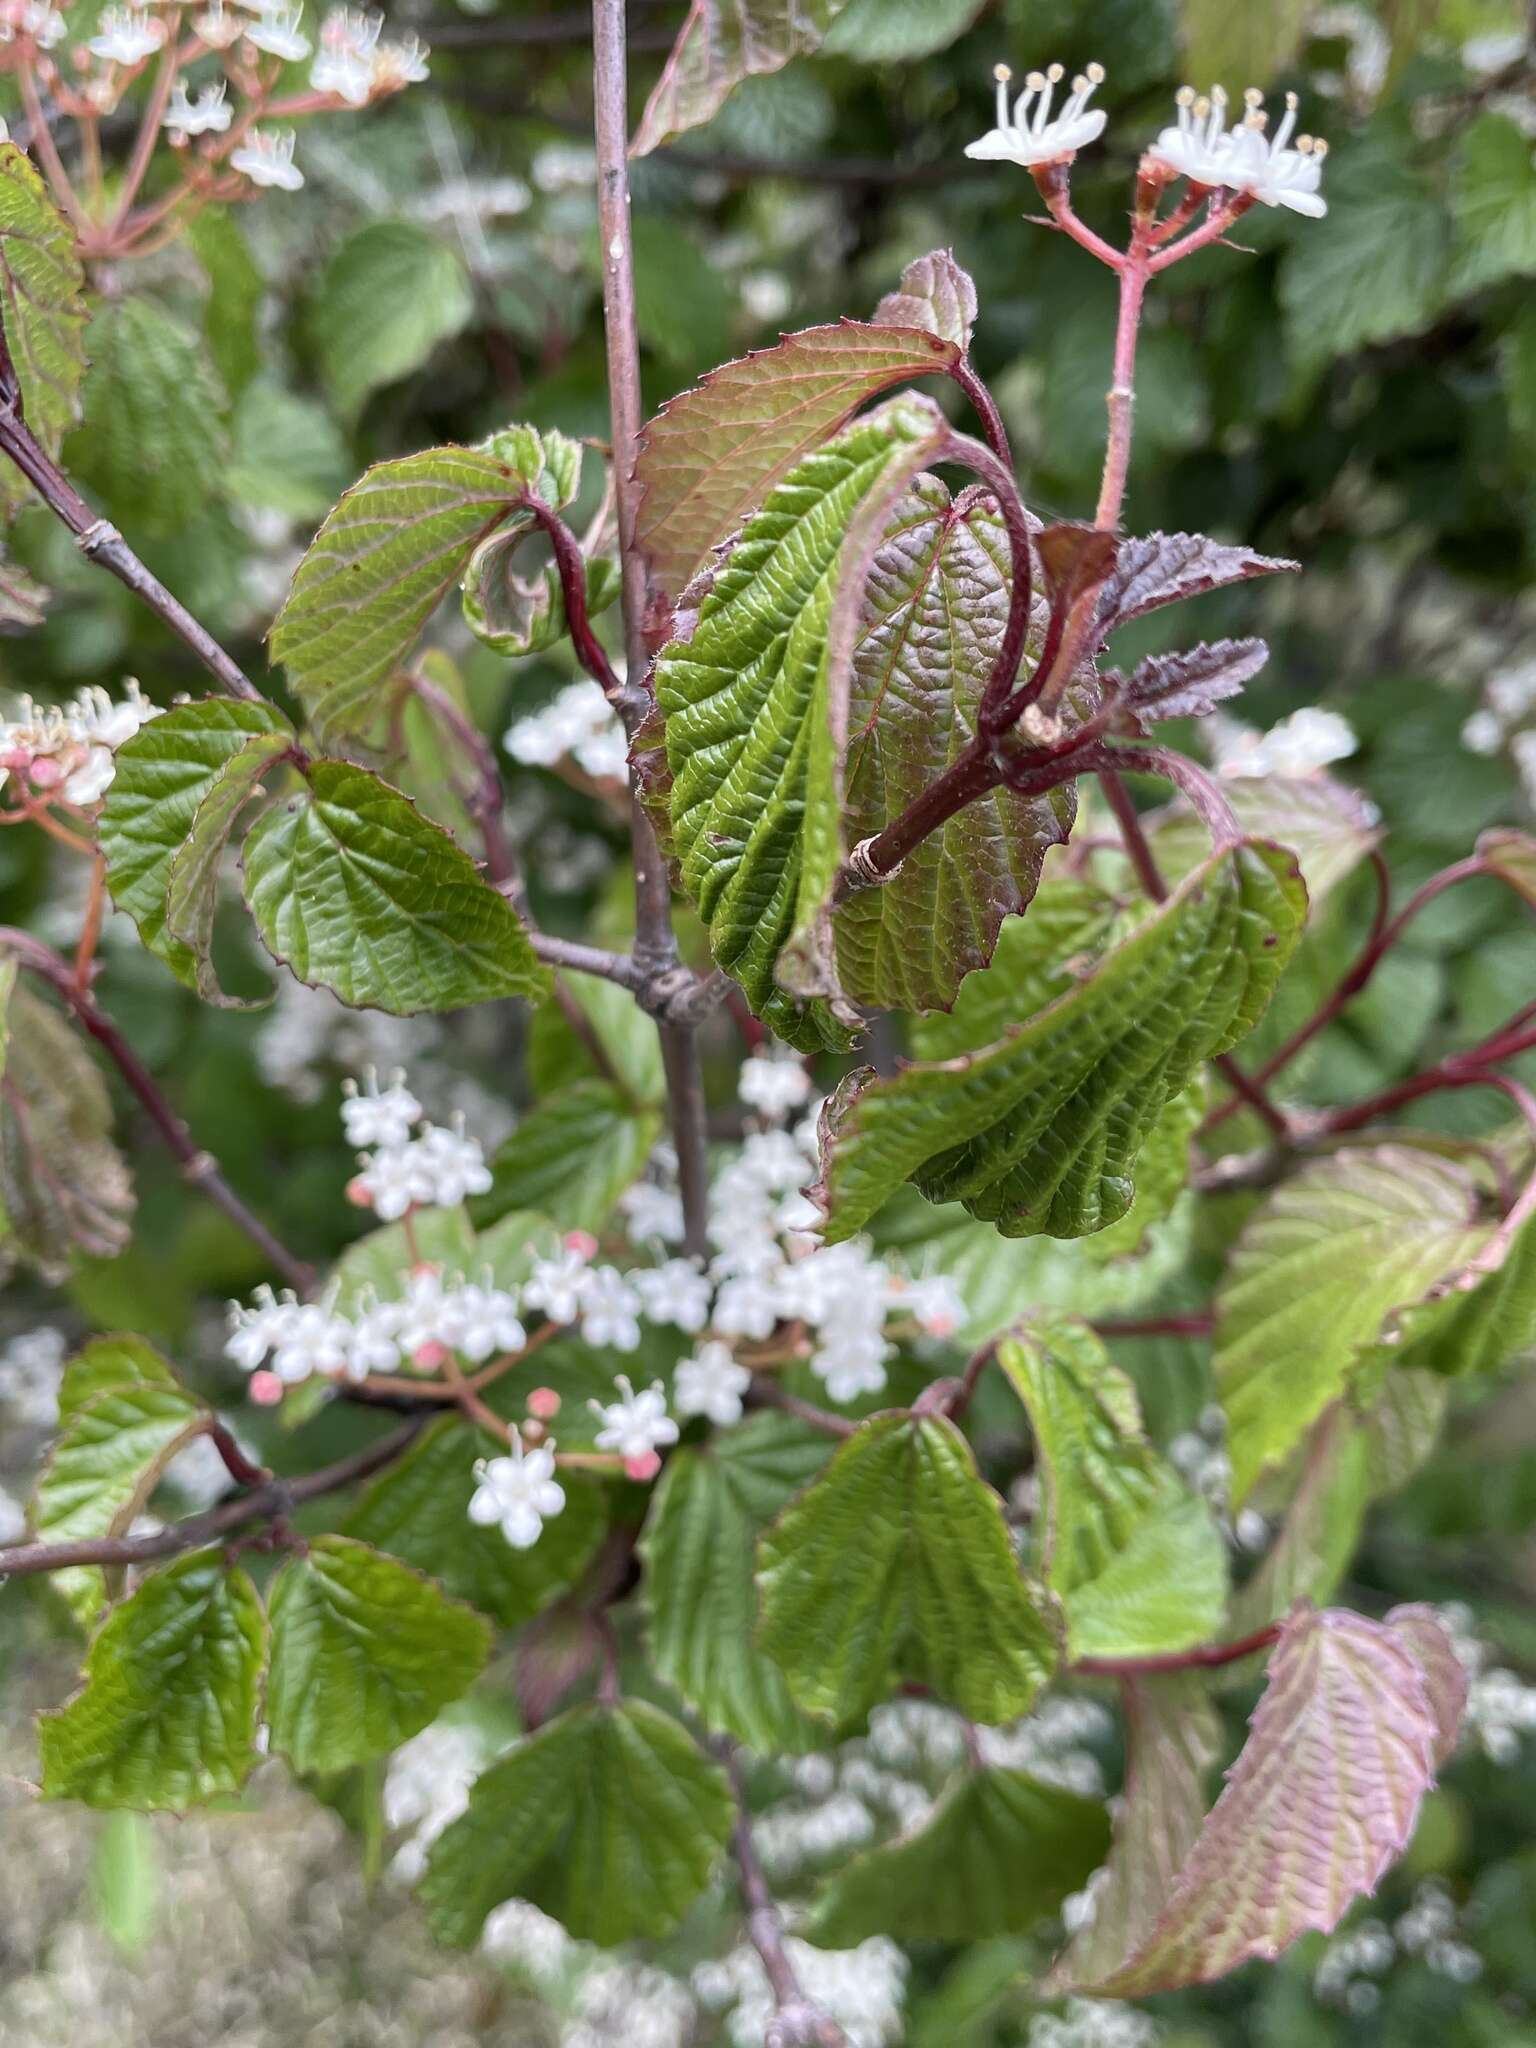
357,1193
45,773
646,1466
431,1357
266,1389
581,1241
544,1402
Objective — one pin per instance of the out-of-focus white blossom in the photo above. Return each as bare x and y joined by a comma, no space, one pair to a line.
1308,740
676,1294
862,1989
372,1115
31,1368
652,1212
559,1285
208,114
518,1493
66,750
711,1383
773,1086
636,1424
579,725
1501,1707
126,35
610,1310
1028,136
280,33
266,158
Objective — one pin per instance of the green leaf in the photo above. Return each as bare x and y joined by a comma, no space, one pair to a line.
896,1560
379,566
1248,45
934,293
1402,1425
1343,1745
163,776
934,609
1328,826
1134,1556
712,1504
364,1654
354,890
520,614
122,1417
154,441
64,1186
235,292
418,1510
1493,205
41,307
999,1852
192,881
720,43
753,698
712,455
572,1157
631,1046
289,456
896,31
1473,1321
167,1714
389,295
1312,1279
1041,1132
609,1818
1321,1530
1512,857
1376,267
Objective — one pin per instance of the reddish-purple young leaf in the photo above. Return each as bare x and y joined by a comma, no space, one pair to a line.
933,613
1192,682
935,293
711,455
1076,559
1154,569
1355,1718
721,43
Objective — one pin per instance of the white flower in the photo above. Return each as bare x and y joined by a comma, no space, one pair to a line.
216,28
397,65
610,1310
483,1322
313,1339
44,24
254,1332
392,1183
849,1368
935,1304
746,1307
31,1368
675,1293
773,1087
126,35
346,60
518,1494
208,114
455,1162
711,1383
1309,739
1243,159
652,1212
437,1170
280,35
559,1286
579,723
67,750
374,1345
379,1116
1200,146
266,158
423,1314
637,1424
1040,140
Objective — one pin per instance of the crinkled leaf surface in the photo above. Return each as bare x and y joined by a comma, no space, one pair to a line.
154,441
1040,1133
41,308
192,891
418,1510
721,42
753,699
122,1418
354,889
365,1652
1314,1275
934,293
999,1852
711,455
377,569
1341,1750
1153,569
896,1561
1134,1556
572,1156
712,1504
164,774
933,613
609,1818
167,1713
1193,681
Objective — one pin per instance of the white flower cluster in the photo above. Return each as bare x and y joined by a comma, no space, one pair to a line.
65,751
1198,146
861,1988
1307,741
1501,1707
1199,1456
437,1169
427,1788
284,1341
1354,1962
580,724
31,1370
1093,2023
1508,701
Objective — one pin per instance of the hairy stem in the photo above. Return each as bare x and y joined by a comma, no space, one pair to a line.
1120,400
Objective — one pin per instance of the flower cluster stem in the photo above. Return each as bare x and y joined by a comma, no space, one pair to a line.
796,2023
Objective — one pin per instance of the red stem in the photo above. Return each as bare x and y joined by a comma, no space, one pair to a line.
1209,1657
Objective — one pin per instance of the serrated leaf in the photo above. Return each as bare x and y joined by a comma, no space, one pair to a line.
1154,569
192,880
522,614
122,1418
364,1654
41,307
1328,826
1321,1529
571,1157
392,292
1040,1132
628,1040
1493,205
999,1852
353,889
64,1186
1133,1555
419,1511
720,43
154,441
753,699
167,1713
1312,1279
934,293
712,455
162,776
610,1819
711,1506
896,1561
1512,856
381,563
1341,1750
934,609
1473,1321
1192,682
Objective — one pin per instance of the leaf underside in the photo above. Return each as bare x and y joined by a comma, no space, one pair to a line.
41,307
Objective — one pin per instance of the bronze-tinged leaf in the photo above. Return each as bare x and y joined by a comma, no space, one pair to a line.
721,42
1076,560
934,293
711,455
1512,857
1192,682
1155,569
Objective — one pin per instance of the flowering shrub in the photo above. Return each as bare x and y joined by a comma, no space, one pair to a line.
793,1447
